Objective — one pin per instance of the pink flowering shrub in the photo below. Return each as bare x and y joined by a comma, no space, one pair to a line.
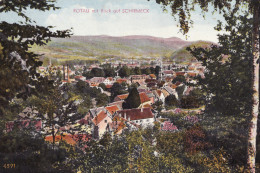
168,126
191,119
177,111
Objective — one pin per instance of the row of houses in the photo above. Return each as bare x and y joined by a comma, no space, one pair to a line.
113,119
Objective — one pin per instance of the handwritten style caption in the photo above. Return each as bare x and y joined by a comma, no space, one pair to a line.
108,11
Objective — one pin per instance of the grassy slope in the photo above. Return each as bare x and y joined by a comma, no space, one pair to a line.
182,55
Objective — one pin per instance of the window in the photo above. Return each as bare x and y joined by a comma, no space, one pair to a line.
105,121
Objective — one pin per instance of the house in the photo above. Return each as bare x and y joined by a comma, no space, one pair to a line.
69,138
168,73
187,90
132,65
109,81
119,104
138,78
168,78
143,98
26,119
117,125
120,97
152,76
100,118
165,93
120,81
95,81
151,96
24,124
191,74
151,83
93,112
180,73
159,96
80,78
142,117
111,110
120,123
170,91
100,123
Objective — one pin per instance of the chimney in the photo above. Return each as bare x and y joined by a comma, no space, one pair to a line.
68,76
64,77
129,118
142,109
125,115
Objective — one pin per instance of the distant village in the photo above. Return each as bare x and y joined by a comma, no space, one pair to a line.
112,118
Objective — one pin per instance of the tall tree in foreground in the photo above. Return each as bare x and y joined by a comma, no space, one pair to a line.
183,9
56,109
18,65
227,81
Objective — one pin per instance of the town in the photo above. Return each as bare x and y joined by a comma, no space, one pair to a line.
129,96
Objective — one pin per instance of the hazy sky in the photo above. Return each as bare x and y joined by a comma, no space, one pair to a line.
154,23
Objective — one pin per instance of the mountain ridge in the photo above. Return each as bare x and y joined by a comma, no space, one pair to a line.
100,47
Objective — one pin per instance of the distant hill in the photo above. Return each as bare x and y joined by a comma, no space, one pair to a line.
182,55
89,47
103,47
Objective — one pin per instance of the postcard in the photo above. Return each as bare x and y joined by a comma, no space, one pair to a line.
129,86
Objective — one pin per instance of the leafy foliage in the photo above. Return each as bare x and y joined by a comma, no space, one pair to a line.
30,153
171,101
133,100
195,99
117,89
227,81
124,71
180,79
16,60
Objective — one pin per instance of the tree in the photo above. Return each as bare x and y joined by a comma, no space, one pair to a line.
179,79
82,87
137,71
117,89
146,71
152,69
124,71
97,72
87,74
102,85
183,9
30,153
55,108
191,101
18,65
158,106
157,70
102,100
106,155
109,70
133,100
227,82
171,100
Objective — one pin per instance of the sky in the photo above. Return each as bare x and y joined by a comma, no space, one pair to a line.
154,22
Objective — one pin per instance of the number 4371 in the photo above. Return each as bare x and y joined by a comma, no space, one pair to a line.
7,166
